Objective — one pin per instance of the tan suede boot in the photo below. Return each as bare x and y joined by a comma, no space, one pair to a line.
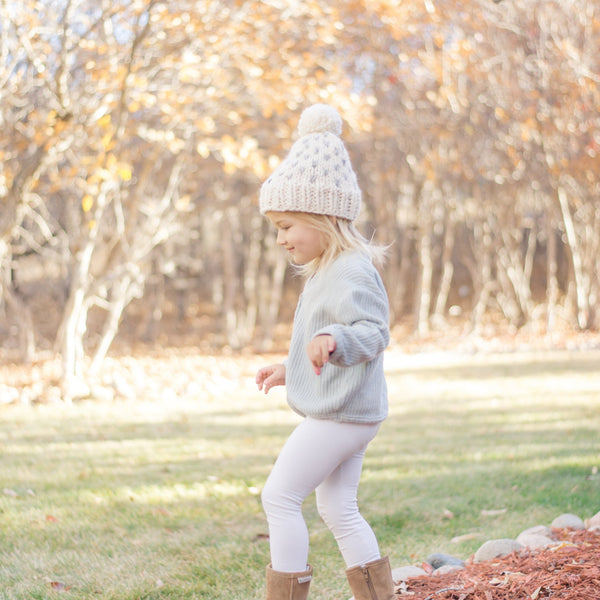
372,581
288,586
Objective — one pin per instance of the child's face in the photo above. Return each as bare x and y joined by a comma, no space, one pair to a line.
303,242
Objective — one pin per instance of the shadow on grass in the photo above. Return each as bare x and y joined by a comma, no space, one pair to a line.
179,491
146,454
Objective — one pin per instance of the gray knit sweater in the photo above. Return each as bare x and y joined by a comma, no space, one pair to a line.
348,301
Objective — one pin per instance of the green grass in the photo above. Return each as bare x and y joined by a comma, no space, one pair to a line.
161,499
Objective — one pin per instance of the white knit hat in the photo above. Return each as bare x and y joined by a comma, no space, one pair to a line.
316,176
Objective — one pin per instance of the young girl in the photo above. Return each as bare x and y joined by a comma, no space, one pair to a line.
334,369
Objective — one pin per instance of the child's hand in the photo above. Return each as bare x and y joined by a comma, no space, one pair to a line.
270,376
318,350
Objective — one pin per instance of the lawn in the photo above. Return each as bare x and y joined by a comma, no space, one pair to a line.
159,497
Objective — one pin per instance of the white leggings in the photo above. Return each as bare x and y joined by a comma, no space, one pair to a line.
325,456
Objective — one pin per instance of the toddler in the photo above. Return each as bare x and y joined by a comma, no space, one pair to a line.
334,369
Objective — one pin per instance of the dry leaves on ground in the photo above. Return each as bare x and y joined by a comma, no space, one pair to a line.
569,571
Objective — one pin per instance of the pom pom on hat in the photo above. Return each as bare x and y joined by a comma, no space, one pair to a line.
320,118
316,176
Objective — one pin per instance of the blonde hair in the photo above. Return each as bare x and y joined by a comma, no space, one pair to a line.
339,235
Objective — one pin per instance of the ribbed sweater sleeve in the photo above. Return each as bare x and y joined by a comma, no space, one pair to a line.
347,301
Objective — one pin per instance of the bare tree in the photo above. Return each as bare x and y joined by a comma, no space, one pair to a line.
135,137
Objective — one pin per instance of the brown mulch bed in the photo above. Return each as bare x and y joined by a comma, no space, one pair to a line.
569,571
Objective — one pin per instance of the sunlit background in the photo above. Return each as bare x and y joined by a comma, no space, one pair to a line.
135,135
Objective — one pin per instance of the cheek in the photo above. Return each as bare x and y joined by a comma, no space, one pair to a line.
320,241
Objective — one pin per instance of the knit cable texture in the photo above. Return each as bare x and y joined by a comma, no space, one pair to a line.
317,175
348,301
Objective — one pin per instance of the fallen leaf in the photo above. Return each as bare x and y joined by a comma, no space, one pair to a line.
51,519
536,593
563,545
60,586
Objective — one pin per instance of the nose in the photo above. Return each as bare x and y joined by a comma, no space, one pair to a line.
281,237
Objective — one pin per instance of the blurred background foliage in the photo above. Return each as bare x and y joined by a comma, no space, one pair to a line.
135,134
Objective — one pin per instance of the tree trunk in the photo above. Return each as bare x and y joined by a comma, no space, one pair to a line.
483,280
447,271
250,279
120,299
552,277
400,276
505,294
425,282
231,284
72,328
270,291
582,308
22,316
155,291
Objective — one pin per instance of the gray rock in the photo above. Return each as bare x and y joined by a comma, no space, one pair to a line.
496,548
568,521
534,541
439,559
538,530
594,523
404,573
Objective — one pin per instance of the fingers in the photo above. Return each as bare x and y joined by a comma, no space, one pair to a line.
260,377
264,378
319,350
270,376
320,357
268,384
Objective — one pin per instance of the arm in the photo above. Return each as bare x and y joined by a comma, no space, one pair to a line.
361,329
